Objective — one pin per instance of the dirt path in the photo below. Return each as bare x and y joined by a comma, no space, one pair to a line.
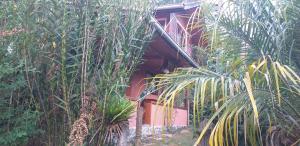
183,137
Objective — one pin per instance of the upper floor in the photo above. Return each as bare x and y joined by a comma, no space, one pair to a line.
183,24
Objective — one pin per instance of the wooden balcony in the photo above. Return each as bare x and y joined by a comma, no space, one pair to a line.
176,29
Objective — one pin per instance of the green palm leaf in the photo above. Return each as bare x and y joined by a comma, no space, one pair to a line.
260,93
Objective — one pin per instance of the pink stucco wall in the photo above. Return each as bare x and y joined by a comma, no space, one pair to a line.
155,115
136,86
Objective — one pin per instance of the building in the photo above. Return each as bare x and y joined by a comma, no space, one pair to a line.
170,48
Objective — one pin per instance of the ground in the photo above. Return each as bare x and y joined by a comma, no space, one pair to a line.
180,137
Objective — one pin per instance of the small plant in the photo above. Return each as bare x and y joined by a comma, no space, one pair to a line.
117,113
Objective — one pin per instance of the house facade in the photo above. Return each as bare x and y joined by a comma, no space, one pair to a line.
170,48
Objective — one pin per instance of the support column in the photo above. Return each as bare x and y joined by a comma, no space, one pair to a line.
139,124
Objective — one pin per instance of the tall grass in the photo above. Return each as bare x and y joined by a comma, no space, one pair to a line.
67,46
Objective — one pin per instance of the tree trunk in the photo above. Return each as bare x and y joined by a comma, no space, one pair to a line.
139,124
124,136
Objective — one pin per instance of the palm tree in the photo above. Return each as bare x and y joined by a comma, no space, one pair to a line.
248,95
267,93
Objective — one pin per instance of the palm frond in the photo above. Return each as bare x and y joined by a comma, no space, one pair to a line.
254,28
236,101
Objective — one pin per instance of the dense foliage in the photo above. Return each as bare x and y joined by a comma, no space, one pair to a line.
52,51
18,116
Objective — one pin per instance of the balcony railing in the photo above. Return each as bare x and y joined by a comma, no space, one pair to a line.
178,33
